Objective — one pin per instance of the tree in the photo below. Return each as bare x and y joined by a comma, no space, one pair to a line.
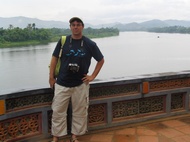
33,26
11,26
29,26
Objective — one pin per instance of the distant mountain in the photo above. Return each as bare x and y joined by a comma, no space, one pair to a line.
22,22
154,23
151,24
129,27
178,23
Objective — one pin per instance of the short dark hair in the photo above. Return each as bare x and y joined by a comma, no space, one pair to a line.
76,19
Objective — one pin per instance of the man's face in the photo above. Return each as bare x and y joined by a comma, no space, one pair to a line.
76,28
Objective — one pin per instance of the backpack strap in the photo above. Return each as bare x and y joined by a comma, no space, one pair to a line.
63,39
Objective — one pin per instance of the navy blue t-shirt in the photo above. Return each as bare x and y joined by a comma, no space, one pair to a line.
76,51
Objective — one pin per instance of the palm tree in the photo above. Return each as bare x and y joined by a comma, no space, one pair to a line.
11,26
33,26
29,26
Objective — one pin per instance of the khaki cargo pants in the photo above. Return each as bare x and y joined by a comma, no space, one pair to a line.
80,101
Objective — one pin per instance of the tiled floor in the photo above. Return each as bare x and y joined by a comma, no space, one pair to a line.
173,129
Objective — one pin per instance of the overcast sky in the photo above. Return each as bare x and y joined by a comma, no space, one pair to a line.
97,11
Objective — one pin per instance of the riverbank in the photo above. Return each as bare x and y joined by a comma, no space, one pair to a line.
45,36
24,43
35,42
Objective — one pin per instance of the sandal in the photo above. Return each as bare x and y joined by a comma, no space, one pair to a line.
73,139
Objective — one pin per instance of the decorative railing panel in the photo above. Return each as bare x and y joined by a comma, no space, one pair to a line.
145,106
124,109
177,101
13,104
169,84
15,128
97,114
110,91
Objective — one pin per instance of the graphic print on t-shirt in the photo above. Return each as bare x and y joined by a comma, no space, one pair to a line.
78,53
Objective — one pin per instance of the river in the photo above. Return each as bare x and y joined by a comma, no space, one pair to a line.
127,55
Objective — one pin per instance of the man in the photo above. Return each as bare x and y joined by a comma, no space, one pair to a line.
73,81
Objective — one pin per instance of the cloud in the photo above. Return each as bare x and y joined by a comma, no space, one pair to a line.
97,11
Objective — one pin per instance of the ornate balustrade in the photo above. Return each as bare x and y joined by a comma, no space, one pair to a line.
113,103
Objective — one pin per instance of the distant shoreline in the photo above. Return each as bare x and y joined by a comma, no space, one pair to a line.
20,44
35,42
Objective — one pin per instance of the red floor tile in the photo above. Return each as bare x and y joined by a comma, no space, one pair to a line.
148,139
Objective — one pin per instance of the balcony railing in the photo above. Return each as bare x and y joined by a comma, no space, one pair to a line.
113,103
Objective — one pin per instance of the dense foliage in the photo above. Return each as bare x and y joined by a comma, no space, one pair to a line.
91,33
31,35
17,35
